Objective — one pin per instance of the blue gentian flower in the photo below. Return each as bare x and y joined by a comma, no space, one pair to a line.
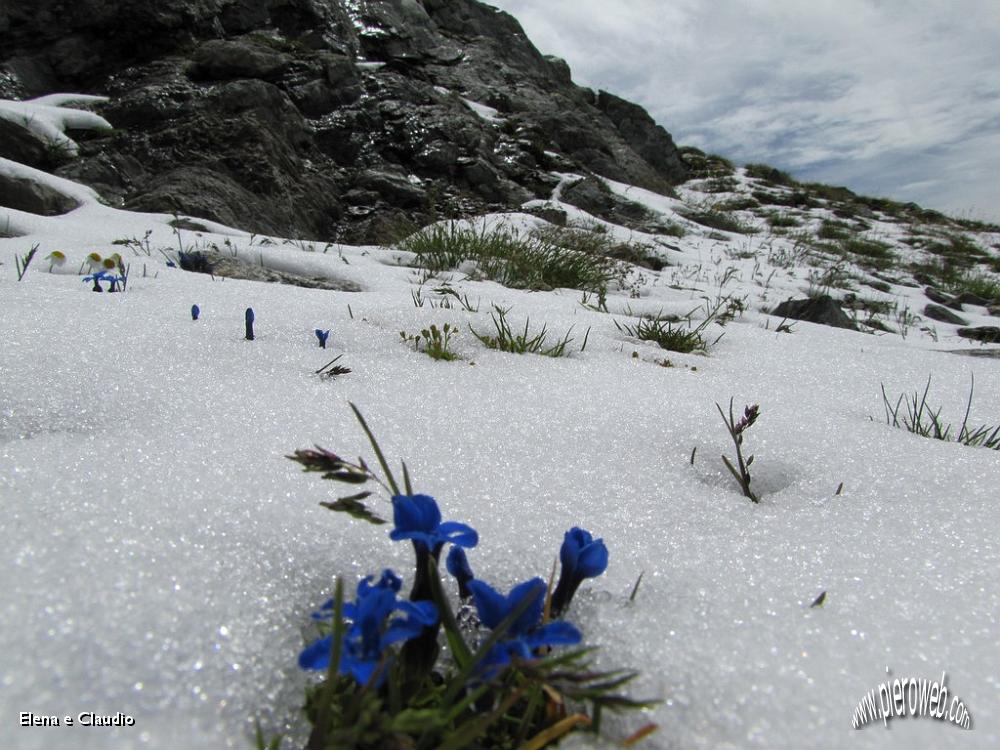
418,518
371,631
458,566
249,318
322,336
526,634
97,277
195,312
581,556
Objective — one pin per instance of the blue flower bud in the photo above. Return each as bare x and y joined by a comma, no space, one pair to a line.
581,556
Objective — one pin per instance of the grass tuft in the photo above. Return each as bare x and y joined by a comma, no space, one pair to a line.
506,340
513,259
921,419
668,336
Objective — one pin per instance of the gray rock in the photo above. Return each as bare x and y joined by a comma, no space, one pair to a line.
942,299
259,103
219,264
594,197
647,139
241,16
396,188
969,298
994,311
823,310
243,58
944,315
23,194
19,144
550,214
986,334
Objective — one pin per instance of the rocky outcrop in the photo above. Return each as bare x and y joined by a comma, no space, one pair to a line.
320,118
823,310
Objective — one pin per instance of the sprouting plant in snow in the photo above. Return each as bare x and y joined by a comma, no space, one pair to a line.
322,337
195,312
22,262
676,338
921,419
434,342
331,370
387,681
736,431
248,317
506,340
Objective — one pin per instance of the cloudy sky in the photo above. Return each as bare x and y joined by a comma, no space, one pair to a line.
897,98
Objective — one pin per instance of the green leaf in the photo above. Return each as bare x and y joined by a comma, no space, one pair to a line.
461,653
414,720
378,451
473,728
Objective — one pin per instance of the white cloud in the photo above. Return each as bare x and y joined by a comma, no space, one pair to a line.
857,89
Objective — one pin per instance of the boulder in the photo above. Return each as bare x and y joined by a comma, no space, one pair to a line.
968,298
19,144
23,194
985,334
942,299
823,310
594,197
944,315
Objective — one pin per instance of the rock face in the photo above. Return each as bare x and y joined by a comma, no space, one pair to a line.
823,310
333,119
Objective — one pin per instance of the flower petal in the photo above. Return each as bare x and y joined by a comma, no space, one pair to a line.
558,633
593,560
317,654
460,534
422,612
358,668
533,614
491,605
573,541
415,513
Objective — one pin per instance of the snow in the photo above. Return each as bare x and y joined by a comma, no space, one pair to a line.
48,116
484,111
161,556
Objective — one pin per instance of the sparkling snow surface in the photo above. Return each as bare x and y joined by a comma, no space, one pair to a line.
160,556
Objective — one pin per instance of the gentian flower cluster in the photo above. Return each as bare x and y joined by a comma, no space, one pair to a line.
373,629
400,695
